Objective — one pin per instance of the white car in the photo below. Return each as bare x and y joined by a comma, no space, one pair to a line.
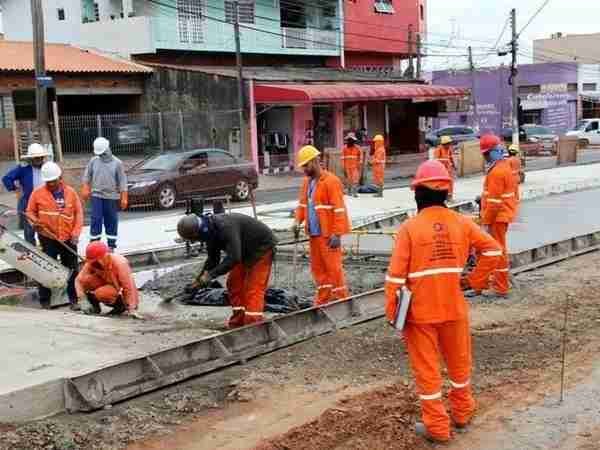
587,131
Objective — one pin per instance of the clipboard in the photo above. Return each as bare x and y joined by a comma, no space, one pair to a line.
403,296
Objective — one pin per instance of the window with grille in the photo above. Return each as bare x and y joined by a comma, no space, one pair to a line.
245,11
384,7
61,14
189,20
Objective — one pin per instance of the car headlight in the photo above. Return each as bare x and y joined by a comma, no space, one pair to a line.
534,140
142,184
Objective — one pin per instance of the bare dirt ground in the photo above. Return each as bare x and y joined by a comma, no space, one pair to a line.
353,390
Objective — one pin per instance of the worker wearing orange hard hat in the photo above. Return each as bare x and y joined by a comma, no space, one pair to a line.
499,204
444,153
378,163
352,162
106,278
321,207
430,253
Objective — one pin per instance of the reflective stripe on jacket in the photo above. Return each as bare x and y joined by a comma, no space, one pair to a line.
429,256
115,272
55,223
499,201
351,157
329,203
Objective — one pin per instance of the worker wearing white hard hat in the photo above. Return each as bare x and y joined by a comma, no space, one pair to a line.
23,179
105,184
55,211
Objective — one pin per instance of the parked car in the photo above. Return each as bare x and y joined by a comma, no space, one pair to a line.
458,134
124,135
587,131
167,178
545,136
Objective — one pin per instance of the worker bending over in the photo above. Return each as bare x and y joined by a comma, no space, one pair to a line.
430,252
55,212
444,153
249,245
499,204
352,162
322,208
106,278
378,164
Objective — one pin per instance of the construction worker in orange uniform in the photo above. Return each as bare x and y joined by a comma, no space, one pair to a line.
352,162
430,253
499,204
249,245
322,208
444,153
378,163
55,212
106,278
515,164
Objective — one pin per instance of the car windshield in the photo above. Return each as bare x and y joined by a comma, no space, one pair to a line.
581,125
163,162
538,130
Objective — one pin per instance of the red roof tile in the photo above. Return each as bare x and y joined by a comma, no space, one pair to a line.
18,56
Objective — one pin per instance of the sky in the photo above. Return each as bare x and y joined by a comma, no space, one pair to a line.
472,20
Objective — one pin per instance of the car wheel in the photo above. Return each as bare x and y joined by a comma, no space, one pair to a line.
166,196
584,143
241,191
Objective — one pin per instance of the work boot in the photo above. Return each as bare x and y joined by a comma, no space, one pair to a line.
237,319
94,302
118,309
45,304
421,430
75,307
379,193
355,191
249,320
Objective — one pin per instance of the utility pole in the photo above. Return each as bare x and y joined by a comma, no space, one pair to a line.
513,78
418,56
473,91
41,90
240,76
410,71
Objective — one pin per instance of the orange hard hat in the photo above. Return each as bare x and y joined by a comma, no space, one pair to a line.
96,250
432,174
488,142
378,138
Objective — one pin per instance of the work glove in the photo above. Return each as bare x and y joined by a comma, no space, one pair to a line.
335,242
124,200
86,307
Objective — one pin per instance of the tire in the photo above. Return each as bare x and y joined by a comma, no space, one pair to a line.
241,191
584,143
166,198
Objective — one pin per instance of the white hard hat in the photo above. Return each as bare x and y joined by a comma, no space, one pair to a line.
51,171
101,145
36,150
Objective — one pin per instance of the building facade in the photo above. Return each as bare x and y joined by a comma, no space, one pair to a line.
581,48
548,96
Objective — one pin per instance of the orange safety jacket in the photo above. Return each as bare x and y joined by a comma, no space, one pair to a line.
351,157
54,223
379,157
499,202
329,204
116,272
446,157
429,256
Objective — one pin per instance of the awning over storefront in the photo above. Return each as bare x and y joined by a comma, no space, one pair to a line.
346,92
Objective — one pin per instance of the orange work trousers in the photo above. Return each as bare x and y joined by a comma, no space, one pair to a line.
328,272
246,287
425,344
501,285
352,175
104,293
378,174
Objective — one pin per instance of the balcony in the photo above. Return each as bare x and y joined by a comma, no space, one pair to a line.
309,39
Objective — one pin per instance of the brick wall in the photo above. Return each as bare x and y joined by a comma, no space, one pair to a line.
10,81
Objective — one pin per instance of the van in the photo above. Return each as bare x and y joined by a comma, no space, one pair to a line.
587,131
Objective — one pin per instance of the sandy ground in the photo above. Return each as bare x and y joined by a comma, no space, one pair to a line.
352,389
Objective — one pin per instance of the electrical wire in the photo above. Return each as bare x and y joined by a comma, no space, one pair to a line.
539,10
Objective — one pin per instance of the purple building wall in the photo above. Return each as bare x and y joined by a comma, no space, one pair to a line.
554,106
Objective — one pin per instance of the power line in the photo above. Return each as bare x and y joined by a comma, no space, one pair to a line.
539,10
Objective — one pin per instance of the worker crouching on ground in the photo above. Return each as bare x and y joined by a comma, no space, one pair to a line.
105,181
106,278
499,205
55,212
429,255
444,153
23,179
352,162
249,245
322,208
378,163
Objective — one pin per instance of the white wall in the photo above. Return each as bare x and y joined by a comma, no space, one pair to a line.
588,73
17,21
122,37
